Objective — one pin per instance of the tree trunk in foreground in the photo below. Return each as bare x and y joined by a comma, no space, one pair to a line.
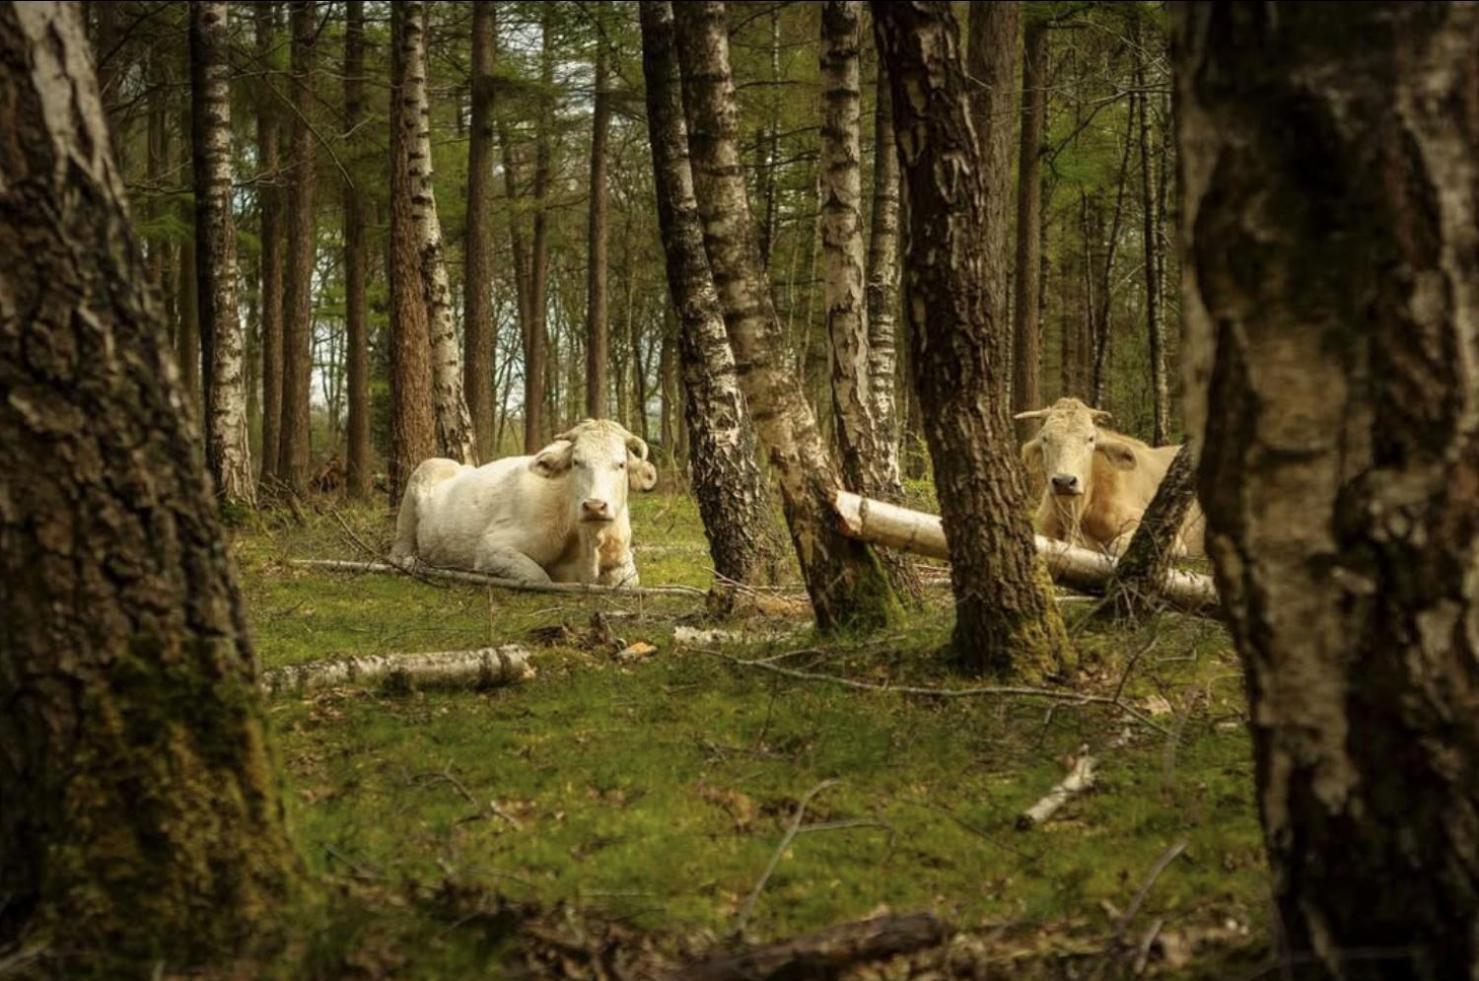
1027,302
227,451
478,331
727,482
1140,572
1005,621
141,822
597,327
356,265
883,291
297,349
412,423
1331,177
843,577
270,258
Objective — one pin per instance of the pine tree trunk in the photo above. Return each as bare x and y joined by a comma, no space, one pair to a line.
1160,387
991,63
1101,329
843,578
141,822
356,265
293,461
536,338
157,163
1027,304
727,482
883,291
187,338
1006,621
478,329
597,328
412,421
772,142
1140,574
227,451
270,207
1330,181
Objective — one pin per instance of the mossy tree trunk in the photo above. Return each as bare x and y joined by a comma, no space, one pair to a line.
141,819
1330,173
1006,621
844,578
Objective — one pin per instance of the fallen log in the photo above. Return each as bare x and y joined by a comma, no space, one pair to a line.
1079,779
825,953
476,578
892,526
486,667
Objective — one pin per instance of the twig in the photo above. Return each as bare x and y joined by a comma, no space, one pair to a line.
1142,956
453,575
1079,779
748,906
1167,857
1077,698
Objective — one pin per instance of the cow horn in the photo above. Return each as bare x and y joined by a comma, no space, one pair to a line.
637,447
1034,414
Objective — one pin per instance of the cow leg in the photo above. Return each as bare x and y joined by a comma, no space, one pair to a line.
506,563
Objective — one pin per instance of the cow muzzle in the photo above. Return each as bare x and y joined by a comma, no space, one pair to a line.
1066,485
595,509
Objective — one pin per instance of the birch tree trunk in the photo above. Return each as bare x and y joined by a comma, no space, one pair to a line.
141,822
412,421
843,577
297,354
478,329
270,230
1160,387
731,492
597,327
883,290
1330,179
1005,621
227,452
356,264
1027,303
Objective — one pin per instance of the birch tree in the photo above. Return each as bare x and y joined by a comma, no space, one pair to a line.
883,291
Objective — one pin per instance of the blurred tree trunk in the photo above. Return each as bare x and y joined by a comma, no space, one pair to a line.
1160,386
270,230
297,351
356,264
1027,305
536,338
883,290
478,329
1330,173
187,338
844,578
412,421
157,163
1005,619
597,326
227,450
142,823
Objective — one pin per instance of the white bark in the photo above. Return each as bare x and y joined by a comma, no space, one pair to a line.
482,668
1079,779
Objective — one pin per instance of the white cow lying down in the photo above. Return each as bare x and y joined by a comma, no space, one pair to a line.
558,516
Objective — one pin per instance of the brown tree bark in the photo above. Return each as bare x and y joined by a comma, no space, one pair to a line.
356,266
991,63
1101,328
293,462
478,329
1330,178
1006,620
271,231
187,338
1160,386
597,326
883,288
536,337
227,450
731,491
843,577
141,823
1026,305
1140,574
412,423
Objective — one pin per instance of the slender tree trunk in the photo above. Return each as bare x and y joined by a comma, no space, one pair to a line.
667,373
270,207
157,163
187,338
1140,574
141,822
356,265
1006,620
536,340
1101,328
1160,386
1027,305
772,141
297,353
1330,180
883,292
991,62
227,450
597,328
844,578
412,421
478,329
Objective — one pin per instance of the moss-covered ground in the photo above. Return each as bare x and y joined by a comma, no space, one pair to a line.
649,795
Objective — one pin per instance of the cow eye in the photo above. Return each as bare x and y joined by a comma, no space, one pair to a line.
621,464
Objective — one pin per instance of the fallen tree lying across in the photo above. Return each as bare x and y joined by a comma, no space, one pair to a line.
1077,568
454,575
825,953
486,667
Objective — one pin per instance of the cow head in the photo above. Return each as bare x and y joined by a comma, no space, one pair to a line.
600,461
1066,447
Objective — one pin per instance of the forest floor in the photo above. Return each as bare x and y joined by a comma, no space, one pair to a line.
617,817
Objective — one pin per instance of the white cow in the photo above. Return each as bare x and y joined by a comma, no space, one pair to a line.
558,516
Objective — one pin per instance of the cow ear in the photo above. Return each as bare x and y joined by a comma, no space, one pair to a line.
641,475
1117,453
1032,455
554,459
